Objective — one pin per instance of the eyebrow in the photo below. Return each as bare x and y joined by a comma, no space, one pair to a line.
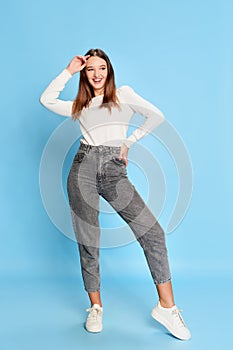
102,65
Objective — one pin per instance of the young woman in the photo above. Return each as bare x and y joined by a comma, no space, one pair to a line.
99,169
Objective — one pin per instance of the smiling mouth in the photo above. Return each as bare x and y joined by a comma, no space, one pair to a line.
97,81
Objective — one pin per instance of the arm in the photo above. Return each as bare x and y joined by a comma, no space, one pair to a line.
49,97
154,117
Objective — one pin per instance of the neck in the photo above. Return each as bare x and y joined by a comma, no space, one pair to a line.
98,92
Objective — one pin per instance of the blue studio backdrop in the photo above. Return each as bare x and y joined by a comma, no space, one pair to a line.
176,54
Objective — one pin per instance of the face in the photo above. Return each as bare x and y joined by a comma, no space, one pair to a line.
96,71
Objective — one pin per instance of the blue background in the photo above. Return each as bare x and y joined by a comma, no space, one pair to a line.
177,54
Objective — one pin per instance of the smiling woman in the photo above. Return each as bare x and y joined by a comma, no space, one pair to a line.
99,169
97,72
96,79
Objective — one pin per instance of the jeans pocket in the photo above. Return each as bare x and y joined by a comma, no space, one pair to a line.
79,157
118,161
120,164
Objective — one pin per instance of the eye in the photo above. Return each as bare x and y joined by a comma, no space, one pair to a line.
103,68
89,69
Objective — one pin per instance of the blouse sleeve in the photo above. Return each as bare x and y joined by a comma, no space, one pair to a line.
49,98
154,117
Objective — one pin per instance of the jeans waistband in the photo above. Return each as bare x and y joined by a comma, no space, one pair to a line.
99,148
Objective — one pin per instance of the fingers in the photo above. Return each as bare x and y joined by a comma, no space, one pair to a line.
121,156
124,153
126,161
83,58
82,66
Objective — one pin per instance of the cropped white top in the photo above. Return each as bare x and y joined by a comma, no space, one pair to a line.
98,125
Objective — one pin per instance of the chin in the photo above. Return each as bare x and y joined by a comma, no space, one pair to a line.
98,88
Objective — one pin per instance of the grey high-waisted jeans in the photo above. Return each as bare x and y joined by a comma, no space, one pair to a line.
96,172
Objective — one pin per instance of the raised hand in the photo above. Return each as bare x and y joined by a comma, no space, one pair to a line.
77,64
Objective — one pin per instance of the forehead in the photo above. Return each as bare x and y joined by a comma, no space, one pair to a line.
95,61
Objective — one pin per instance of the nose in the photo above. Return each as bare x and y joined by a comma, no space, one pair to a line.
96,73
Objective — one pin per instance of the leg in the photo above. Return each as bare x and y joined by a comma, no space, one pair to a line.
165,293
84,208
124,198
95,298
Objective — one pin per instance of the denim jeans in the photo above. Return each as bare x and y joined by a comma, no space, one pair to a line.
96,171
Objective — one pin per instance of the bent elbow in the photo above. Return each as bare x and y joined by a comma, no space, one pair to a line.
42,100
162,118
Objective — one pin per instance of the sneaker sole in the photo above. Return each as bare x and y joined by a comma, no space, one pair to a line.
97,330
161,320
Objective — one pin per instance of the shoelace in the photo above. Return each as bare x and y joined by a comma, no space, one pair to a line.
178,316
93,313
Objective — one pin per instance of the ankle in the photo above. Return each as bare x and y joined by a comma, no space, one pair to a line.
166,304
100,304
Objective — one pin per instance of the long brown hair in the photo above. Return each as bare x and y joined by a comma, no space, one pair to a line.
86,92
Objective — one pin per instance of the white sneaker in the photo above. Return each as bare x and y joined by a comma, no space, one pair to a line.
172,320
94,319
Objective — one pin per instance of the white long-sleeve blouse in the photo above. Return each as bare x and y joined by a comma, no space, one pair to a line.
97,125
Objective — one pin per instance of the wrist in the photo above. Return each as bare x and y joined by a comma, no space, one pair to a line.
126,144
70,71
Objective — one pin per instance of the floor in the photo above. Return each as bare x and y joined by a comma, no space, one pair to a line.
50,314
